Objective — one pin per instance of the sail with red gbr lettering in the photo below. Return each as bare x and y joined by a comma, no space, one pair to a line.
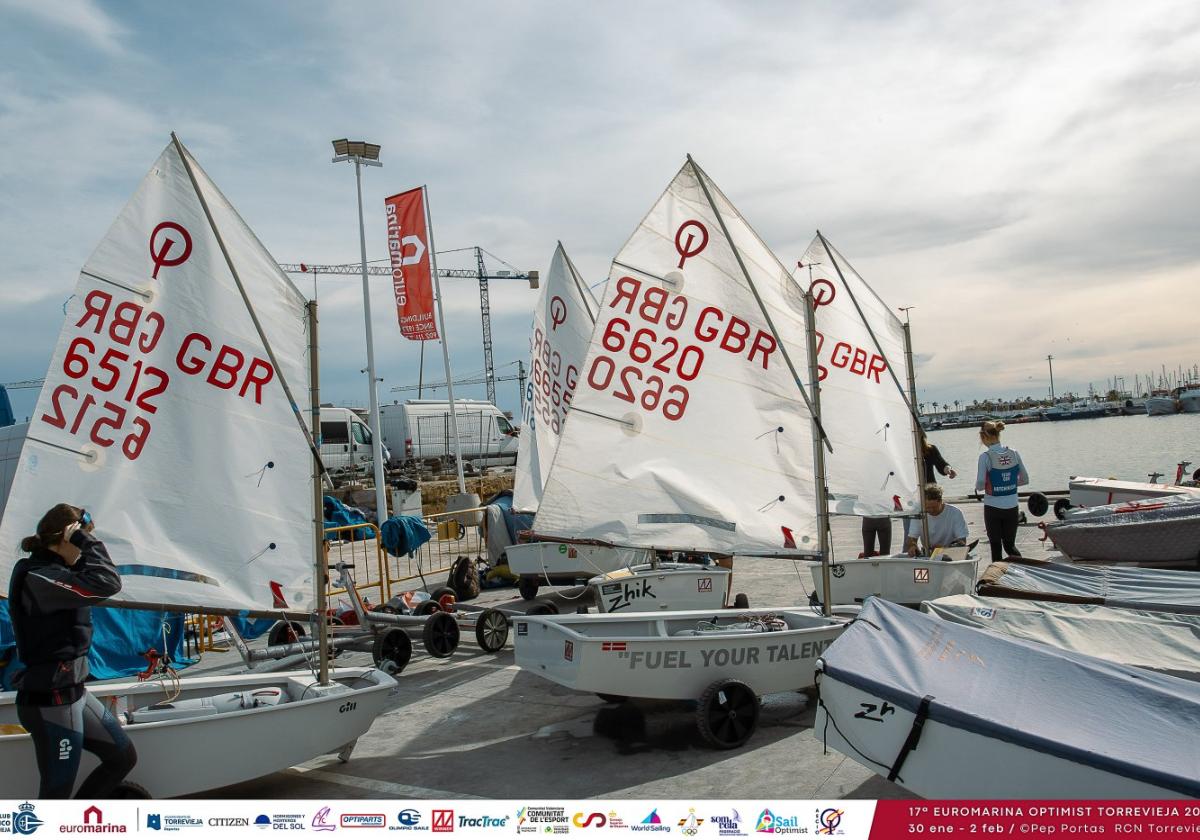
163,416
563,318
688,430
872,470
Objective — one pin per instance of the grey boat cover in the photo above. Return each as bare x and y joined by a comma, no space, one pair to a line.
1167,642
1128,587
1190,502
1048,700
1163,530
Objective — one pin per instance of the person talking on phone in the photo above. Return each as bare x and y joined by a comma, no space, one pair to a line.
50,600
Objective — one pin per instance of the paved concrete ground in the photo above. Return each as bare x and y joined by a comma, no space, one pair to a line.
477,726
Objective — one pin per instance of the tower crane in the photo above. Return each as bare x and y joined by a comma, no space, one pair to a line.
480,273
518,377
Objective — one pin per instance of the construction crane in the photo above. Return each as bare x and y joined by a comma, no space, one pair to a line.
480,273
518,377
24,383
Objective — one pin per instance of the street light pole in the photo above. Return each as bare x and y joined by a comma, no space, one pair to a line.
1050,361
367,154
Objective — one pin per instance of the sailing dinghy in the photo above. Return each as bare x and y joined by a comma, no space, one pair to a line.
951,712
1164,642
1164,531
691,431
169,412
875,467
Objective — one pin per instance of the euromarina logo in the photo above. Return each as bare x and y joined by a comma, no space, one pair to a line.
651,822
728,826
690,825
93,823
408,820
539,819
362,820
21,821
829,821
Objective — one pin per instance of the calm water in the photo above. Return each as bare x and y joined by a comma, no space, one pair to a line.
1119,447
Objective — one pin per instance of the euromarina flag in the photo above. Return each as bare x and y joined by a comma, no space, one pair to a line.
688,429
563,319
412,269
872,470
163,416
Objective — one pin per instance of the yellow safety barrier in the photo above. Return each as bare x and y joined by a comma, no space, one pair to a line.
366,558
204,626
455,535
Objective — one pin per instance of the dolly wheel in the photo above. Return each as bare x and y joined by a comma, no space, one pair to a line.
491,630
528,587
1061,506
129,790
440,635
285,632
741,602
612,698
392,651
728,714
426,608
542,608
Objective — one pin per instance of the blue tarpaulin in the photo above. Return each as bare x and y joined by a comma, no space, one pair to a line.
337,515
515,522
403,535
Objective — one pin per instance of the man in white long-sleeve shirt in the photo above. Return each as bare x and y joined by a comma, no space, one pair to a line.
947,525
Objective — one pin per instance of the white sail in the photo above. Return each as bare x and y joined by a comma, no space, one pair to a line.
688,429
872,470
563,318
163,416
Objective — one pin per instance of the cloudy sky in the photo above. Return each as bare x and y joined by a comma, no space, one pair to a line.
1027,174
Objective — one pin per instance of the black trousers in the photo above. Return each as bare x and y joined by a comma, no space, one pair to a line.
876,526
61,734
1001,527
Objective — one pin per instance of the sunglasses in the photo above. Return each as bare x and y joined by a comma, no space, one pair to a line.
85,518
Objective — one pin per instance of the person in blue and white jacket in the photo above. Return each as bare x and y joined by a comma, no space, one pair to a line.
1001,472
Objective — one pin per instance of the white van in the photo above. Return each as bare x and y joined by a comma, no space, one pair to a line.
346,443
12,438
419,430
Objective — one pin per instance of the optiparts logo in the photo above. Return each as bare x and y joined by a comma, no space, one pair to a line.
829,821
594,819
442,820
690,825
362,820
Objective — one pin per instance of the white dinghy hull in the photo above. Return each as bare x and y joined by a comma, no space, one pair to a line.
667,586
949,711
667,657
1089,492
189,755
901,580
567,561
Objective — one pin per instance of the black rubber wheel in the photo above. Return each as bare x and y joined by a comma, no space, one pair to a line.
285,632
1038,504
440,635
437,594
612,698
728,714
491,630
392,651
741,601
542,608
129,790
1061,506
1196,475
528,587
427,608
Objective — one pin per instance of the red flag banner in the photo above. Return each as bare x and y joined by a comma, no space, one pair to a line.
412,274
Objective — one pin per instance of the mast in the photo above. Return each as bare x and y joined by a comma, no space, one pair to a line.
918,448
810,334
319,565
437,293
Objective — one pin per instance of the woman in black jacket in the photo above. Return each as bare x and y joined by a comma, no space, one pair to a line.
50,601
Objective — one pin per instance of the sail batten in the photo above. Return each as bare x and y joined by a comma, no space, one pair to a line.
165,414
689,429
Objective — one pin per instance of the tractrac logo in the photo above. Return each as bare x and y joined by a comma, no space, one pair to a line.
829,820
482,822
598,820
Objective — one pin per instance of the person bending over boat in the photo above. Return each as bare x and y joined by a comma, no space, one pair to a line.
934,462
1001,472
50,601
947,525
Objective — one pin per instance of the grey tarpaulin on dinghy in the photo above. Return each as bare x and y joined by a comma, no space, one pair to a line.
1052,701
1167,642
1159,590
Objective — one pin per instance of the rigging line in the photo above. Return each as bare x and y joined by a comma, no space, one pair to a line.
602,416
641,271
581,286
862,317
703,179
312,446
83,455
139,292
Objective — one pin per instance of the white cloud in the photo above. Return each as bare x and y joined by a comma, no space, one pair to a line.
80,17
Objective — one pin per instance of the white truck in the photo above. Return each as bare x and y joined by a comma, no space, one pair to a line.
346,443
419,430
11,440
